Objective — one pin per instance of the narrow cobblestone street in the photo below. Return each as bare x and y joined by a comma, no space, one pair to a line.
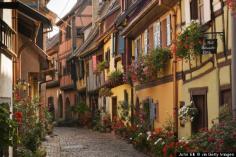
74,142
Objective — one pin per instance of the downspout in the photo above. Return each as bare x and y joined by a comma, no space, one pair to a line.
175,83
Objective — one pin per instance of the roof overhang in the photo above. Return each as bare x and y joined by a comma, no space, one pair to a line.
147,16
35,47
27,11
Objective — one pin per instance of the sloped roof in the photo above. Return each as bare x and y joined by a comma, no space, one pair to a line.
51,42
73,10
89,42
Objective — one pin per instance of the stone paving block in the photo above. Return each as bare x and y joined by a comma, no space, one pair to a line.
74,142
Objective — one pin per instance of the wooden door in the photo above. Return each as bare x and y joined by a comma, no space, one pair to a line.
201,119
114,107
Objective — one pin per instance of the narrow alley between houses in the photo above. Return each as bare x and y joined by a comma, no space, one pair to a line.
117,78
78,142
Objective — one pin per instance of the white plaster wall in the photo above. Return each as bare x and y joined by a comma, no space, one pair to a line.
7,15
6,84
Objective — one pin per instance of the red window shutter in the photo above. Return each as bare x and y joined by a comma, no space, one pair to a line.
94,59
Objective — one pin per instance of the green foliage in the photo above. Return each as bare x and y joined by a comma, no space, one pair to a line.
115,76
32,139
190,42
81,108
124,108
32,129
7,127
102,65
220,138
157,59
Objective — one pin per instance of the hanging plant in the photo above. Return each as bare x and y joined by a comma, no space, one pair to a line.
102,66
147,67
156,60
189,43
187,113
114,79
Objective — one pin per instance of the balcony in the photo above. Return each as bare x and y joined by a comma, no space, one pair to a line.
6,37
66,83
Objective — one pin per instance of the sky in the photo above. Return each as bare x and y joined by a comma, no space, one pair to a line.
61,8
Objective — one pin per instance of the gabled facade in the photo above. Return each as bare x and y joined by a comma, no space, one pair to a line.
70,38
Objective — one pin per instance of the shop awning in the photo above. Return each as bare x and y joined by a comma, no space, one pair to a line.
27,11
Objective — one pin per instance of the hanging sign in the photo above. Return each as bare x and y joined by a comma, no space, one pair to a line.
209,46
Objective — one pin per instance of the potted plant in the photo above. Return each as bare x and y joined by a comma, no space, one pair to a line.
187,113
189,42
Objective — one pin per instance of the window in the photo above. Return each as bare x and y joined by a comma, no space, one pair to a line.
79,33
137,44
168,30
146,42
194,9
68,31
121,43
163,33
113,52
198,10
60,36
107,56
81,69
157,35
99,58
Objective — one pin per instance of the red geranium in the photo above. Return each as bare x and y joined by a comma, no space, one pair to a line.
18,117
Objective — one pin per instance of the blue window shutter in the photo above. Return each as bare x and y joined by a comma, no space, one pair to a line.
121,45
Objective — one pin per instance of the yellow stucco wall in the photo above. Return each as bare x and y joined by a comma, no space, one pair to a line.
119,93
163,94
209,81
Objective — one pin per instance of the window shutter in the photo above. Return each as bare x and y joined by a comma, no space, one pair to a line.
168,30
121,45
113,37
207,10
145,42
163,33
158,30
187,12
135,51
81,69
94,59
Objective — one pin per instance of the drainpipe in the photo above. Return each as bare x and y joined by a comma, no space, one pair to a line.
233,62
175,83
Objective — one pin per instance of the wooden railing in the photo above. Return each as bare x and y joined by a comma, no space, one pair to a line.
6,36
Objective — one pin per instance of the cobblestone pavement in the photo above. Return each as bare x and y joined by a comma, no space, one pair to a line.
74,142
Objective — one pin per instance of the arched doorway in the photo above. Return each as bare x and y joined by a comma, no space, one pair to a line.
68,111
60,106
51,108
